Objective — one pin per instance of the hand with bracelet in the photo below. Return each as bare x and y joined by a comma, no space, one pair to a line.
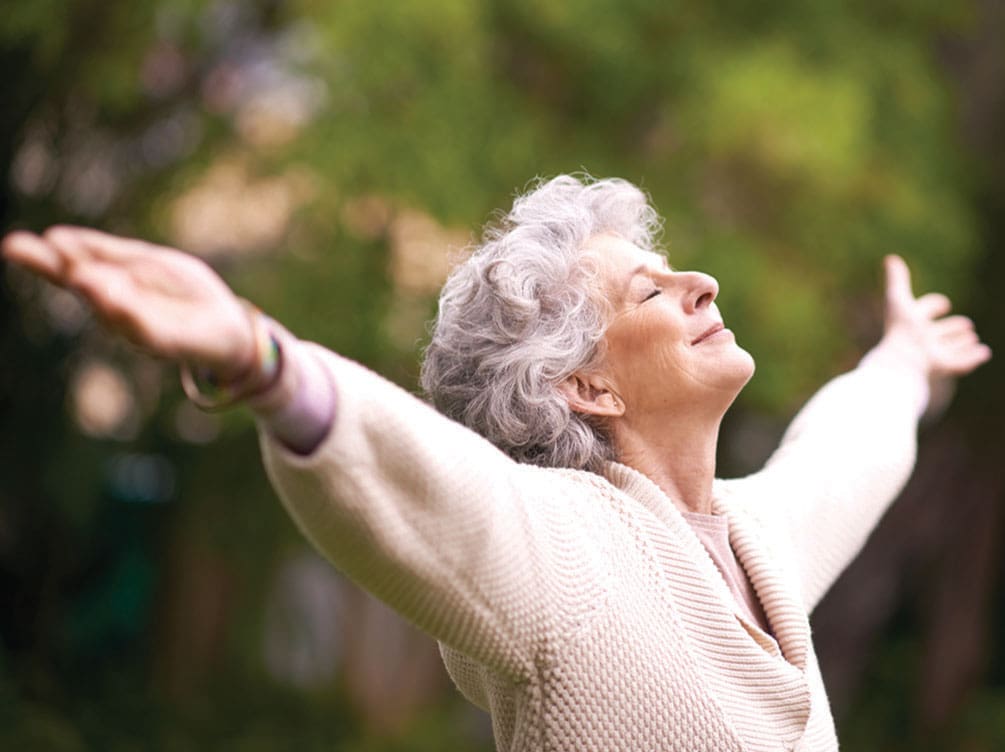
169,303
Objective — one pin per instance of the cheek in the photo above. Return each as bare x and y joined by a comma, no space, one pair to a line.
670,360
651,344
650,365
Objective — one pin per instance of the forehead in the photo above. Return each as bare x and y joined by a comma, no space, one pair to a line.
619,259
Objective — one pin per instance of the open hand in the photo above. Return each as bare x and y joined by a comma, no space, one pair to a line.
167,302
921,333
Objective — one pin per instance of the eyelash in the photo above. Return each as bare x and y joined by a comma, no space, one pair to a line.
652,295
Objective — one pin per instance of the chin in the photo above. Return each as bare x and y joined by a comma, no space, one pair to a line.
739,369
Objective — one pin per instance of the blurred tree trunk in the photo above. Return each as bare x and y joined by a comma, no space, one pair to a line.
196,601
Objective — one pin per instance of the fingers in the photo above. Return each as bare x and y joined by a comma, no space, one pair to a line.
957,326
34,253
105,286
982,353
933,305
957,334
898,282
100,245
964,358
124,307
170,304
958,349
62,256
83,245
118,303
900,298
61,247
74,244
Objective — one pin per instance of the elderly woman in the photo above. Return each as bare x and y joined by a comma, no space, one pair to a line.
560,531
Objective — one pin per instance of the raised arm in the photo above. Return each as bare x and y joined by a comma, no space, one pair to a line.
422,512
850,450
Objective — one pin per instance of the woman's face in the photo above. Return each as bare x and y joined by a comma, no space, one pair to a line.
666,346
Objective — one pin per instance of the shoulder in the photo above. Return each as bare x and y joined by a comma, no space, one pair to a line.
748,499
576,487
740,493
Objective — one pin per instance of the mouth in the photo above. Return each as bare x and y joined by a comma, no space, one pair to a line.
712,330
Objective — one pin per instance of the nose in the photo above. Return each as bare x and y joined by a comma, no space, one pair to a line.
699,290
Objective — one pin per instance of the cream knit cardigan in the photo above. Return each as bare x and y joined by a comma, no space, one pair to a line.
582,612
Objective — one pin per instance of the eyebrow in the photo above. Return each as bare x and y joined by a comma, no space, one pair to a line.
643,267
637,271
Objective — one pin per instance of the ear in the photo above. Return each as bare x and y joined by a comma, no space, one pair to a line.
591,394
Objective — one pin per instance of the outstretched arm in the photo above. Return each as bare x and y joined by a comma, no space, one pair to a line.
419,510
850,450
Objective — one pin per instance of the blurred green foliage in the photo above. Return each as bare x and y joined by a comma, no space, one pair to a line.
790,146
811,139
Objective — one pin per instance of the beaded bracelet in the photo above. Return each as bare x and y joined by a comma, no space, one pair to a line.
211,393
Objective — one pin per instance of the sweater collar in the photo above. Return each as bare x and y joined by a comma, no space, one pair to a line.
641,488
775,587
785,613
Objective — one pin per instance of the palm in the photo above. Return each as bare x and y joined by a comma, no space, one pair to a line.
921,331
165,301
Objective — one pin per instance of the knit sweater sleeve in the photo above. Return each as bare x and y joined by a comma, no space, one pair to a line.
843,460
476,549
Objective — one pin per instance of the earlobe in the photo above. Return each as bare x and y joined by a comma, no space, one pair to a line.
591,395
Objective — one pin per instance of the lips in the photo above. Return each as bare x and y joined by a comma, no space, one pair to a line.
714,329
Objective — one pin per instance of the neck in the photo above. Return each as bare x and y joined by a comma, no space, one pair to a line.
680,461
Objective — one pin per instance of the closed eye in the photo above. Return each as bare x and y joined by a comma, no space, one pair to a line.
652,295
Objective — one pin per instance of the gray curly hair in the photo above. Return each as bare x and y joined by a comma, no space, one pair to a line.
521,315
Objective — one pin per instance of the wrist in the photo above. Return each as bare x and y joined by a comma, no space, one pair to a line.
912,372
217,387
299,410
900,351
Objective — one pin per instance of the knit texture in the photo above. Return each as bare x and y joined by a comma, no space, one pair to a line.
582,611
713,532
